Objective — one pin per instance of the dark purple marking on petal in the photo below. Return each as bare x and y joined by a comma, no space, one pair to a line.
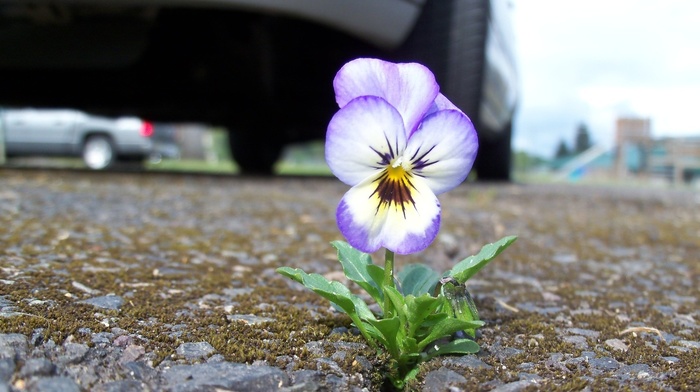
385,158
391,150
420,162
394,189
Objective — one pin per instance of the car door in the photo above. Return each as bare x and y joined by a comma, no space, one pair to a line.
39,131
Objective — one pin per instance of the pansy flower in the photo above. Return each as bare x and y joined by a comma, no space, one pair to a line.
398,143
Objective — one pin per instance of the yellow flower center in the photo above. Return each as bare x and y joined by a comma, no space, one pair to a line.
394,187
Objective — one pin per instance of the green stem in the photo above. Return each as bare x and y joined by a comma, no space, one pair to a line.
388,282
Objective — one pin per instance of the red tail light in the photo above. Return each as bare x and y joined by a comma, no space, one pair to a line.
146,129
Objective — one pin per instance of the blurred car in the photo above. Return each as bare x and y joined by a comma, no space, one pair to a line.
261,68
165,145
100,141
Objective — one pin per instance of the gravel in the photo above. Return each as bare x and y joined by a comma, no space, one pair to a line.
143,282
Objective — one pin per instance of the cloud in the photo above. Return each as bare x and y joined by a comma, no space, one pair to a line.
595,60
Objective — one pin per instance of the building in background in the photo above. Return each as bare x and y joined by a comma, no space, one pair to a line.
638,154
677,159
632,143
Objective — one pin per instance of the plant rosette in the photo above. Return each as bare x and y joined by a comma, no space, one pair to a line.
398,143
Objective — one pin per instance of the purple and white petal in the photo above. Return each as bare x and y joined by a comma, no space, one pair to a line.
443,149
369,223
410,87
441,103
362,138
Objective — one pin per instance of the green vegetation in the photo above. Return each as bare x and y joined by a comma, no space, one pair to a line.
418,316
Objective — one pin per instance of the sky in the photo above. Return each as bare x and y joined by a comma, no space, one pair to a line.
592,61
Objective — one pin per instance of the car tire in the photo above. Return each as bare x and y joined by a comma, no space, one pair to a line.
493,161
255,152
450,39
98,152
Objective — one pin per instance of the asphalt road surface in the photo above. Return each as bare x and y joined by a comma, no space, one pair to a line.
138,282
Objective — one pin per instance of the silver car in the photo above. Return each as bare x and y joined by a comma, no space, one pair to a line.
100,141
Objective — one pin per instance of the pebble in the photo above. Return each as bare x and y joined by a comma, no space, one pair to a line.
616,344
503,353
37,367
53,384
132,353
529,377
194,351
579,342
442,379
7,368
315,347
638,371
603,364
583,332
102,338
74,352
689,344
670,359
249,319
223,375
105,302
466,362
13,345
122,386
517,386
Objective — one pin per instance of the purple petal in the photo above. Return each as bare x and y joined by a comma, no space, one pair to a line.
409,87
443,149
368,224
441,103
363,137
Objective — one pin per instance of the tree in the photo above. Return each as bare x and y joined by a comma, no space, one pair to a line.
562,150
583,139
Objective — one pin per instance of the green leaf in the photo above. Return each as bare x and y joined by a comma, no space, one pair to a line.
433,319
446,327
377,274
459,346
418,279
332,291
419,308
294,274
355,266
389,330
466,268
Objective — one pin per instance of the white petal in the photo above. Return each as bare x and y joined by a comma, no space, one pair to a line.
443,149
362,139
369,224
409,87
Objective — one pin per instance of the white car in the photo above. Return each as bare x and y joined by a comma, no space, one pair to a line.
261,68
